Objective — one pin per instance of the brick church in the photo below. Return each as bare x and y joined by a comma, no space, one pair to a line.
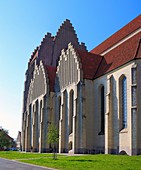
93,97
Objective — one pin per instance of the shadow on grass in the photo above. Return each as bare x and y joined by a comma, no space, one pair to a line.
81,160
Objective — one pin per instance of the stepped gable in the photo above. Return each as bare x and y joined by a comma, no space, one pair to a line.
119,35
90,63
51,71
64,36
34,55
70,36
46,49
66,25
50,48
120,55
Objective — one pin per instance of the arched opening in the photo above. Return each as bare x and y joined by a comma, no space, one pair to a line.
31,127
40,121
35,134
59,107
37,126
71,106
70,146
40,114
64,124
102,111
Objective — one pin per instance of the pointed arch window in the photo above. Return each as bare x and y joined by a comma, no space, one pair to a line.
71,112
124,102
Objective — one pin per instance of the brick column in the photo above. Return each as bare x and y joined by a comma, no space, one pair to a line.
134,116
107,131
63,132
75,134
28,133
43,131
107,128
23,137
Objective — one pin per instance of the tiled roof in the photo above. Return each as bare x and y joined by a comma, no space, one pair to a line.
119,35
120,55
90,63
94,65
6,135
51,71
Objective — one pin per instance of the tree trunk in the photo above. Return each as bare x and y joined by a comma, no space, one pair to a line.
54,152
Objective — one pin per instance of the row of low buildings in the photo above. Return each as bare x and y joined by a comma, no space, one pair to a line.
7,142
93,97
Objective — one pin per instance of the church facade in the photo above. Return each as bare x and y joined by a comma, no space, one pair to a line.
93,98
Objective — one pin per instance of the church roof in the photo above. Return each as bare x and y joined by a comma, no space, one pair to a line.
90,63
119,35
120,55
94,65
124,52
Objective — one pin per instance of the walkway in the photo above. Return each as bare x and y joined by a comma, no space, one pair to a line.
14,165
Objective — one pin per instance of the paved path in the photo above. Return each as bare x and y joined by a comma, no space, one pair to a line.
14,165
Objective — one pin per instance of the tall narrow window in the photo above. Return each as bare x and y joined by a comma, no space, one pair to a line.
124,102
134,87
71,112
30,112
102,112
59,107
40,116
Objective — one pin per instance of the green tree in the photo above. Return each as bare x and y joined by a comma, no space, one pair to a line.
53,138
4,140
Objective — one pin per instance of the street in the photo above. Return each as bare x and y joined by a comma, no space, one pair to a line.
13,165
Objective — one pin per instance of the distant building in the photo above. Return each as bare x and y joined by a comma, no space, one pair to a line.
18,141
6,142
94,98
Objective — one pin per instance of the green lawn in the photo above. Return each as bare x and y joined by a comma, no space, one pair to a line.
86,162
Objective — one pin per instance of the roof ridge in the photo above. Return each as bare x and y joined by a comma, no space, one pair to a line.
123,32
88,52
124,53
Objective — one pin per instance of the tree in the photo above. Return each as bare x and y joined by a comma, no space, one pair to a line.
53,138
4,139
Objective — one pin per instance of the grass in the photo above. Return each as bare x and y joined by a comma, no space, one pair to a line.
85,162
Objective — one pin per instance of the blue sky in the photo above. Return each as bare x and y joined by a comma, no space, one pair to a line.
23,24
